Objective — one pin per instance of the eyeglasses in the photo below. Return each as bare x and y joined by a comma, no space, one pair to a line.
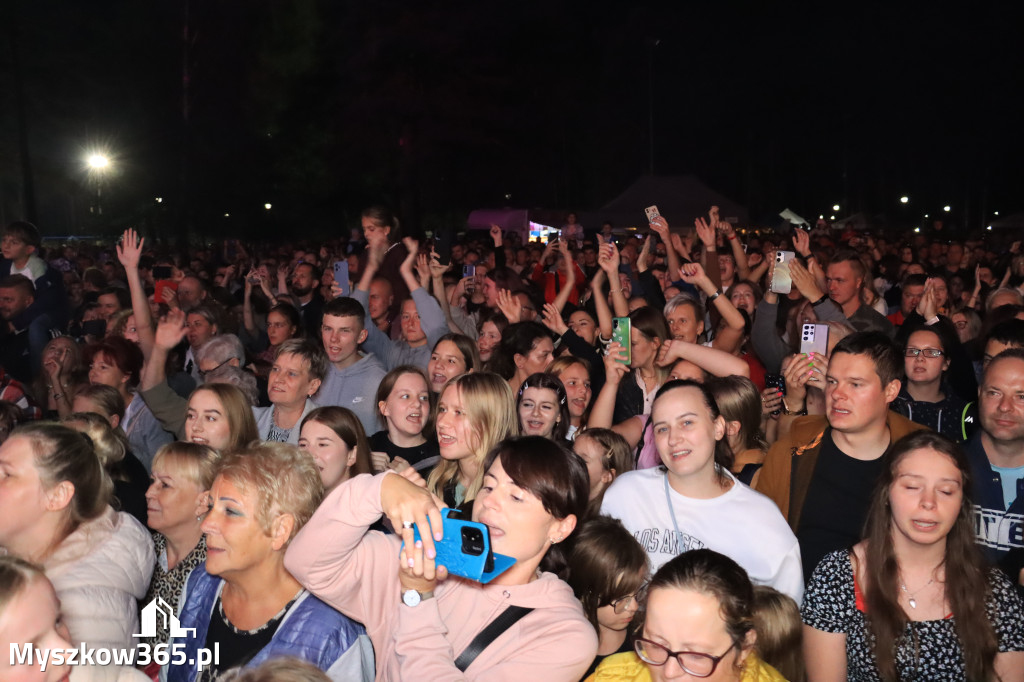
692,662
622,604
927,352
204,372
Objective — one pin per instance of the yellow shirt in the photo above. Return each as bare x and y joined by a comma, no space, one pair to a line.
628,667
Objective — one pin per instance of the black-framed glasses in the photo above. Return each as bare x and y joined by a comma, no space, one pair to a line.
204,372
622,604
693,663
927,352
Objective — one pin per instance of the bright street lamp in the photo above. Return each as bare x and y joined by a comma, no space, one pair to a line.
904,200
835,207
98,161
98,164
946,209
267,206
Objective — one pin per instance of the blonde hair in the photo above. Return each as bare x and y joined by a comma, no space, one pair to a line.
63,454
197,463
15,576
779,632
284,478
491,409
110,445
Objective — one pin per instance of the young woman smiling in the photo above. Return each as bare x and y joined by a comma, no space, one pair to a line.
474,413
542,407
335,438
453,354
694,490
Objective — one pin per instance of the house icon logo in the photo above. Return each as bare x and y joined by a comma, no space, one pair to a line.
158,608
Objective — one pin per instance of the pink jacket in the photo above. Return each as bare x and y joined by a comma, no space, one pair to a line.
357,573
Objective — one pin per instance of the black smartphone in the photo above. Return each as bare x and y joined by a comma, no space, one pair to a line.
775,381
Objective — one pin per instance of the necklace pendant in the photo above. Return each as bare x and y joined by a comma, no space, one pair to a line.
912,602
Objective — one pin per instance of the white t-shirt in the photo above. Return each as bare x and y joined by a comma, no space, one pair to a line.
742,524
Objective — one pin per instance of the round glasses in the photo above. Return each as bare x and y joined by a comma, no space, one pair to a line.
693,663
927,352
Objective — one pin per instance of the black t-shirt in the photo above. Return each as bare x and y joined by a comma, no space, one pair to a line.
421,457
237,647
837,503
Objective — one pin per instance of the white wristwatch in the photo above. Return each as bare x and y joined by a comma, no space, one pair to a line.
413,598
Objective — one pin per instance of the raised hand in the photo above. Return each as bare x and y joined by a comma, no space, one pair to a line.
609,260
412,248
680,246
510,306
614,365
552,319
660,225
692,273
928,306
801,242
423,269
705,232
771,402
804,281
496,234
171,330
129,251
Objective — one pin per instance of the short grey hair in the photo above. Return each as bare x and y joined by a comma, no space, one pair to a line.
1018,297
220,349
310,351
243,380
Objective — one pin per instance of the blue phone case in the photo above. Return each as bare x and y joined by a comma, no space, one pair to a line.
473,566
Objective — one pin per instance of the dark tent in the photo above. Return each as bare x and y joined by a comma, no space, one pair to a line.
681,199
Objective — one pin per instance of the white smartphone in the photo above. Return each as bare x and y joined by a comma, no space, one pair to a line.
814,339
782,283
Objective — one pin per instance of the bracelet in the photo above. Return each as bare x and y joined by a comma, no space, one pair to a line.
820,301
732,238
793,413
713,296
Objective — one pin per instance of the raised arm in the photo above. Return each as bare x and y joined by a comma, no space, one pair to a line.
129,251
660,225
738,254
728,339
711,360
609,261
570,276
708,237
169,334
604,313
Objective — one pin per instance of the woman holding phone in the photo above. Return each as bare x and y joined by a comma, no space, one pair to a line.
419,618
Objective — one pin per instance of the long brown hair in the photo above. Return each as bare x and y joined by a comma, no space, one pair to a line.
967,582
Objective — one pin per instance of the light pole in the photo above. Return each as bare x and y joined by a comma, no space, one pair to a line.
97,164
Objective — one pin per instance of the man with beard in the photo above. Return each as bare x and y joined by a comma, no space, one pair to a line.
305,287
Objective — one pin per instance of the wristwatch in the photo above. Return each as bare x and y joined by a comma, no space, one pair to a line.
413,598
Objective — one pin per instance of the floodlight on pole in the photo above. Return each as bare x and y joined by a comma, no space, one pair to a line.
904,200
835,207
98,161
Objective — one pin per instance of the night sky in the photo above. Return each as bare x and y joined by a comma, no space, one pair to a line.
437,108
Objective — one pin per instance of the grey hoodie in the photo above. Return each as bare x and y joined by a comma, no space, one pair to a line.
354,387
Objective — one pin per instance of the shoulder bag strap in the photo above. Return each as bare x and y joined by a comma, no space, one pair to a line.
504,621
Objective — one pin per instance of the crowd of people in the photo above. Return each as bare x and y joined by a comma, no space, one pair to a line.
710,452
